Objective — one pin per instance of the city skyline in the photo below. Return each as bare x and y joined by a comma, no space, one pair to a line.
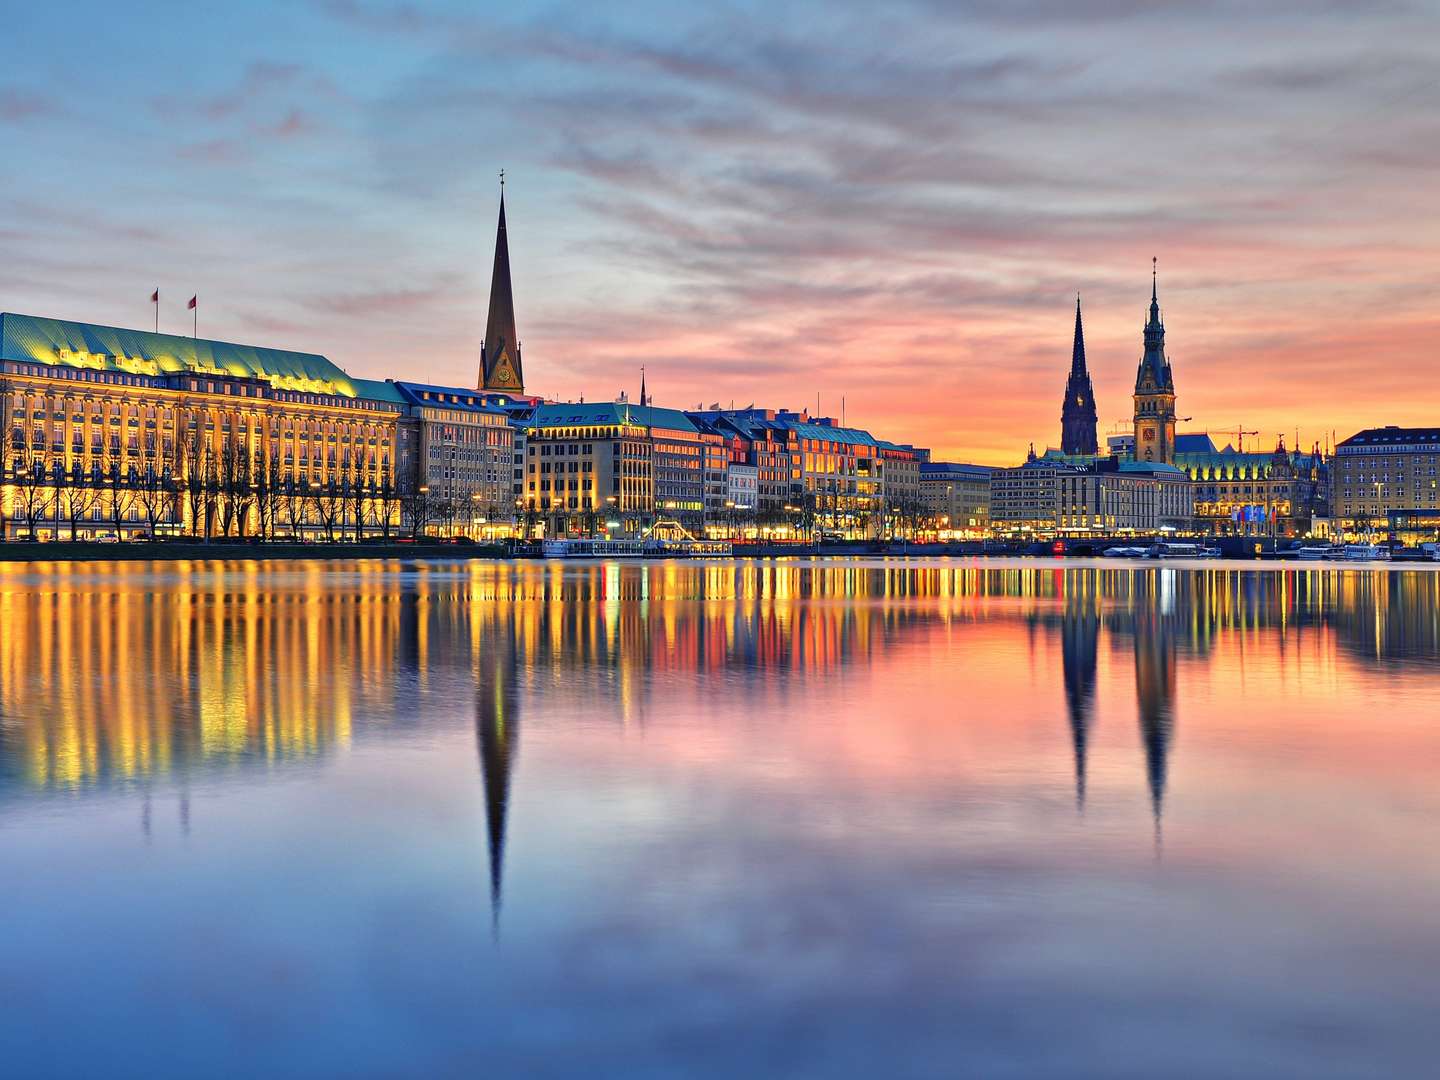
765,208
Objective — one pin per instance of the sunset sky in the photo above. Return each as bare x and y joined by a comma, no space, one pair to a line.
760,201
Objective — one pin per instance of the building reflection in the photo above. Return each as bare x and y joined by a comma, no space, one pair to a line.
497,730
1080,639
126,675
1155,691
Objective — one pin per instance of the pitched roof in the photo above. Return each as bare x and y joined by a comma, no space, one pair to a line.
1392,435
140,352
451,397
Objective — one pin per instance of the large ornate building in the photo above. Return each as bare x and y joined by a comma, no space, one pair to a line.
114,433
1077,415
1154,392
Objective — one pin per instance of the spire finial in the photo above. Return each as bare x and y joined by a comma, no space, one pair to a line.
1154,276
502,180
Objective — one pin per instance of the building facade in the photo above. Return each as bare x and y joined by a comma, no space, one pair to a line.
456,461
110,432
1114,497
956,498
1281,493
1387,477
1025,499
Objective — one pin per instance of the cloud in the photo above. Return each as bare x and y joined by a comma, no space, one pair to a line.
17,106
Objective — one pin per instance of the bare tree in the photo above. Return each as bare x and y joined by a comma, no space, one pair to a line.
268,489
387,503
120,479
77,492
236,491
417,509
294,503
327,502
33,490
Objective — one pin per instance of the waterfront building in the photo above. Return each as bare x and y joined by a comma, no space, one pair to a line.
1077,415
1154,391
1025,499
755,437
834,476
116,432
742,487
500,368
1385,479
1279,493
715,462
900,486
456,461
587,465
956,497
1112,496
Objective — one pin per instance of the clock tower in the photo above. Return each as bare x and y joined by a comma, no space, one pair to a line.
1154,391
500,351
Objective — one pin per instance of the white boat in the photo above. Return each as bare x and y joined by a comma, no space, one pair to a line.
581,548
1364,553
1123,553
1177,549
1315,552
600,548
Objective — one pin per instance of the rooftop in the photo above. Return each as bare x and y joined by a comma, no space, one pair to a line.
59,342
611,412
1392,435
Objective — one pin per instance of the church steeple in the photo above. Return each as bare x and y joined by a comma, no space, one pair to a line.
500,351
1077,415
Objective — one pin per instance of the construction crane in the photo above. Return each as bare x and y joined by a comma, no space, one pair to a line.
1239,432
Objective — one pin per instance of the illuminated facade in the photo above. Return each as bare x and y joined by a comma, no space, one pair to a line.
1113,496
114,432
456,461
956,498
1025,500
1282,493
589,465
1384,473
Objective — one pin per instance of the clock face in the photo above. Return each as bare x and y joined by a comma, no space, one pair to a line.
1148,433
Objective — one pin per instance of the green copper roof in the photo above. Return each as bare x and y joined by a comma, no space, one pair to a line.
139,352
379,390
611,412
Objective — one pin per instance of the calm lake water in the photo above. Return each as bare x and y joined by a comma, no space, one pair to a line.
851,818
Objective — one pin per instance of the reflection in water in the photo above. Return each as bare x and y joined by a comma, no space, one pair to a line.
1080,637
497,723
1155,693
751,795
123,673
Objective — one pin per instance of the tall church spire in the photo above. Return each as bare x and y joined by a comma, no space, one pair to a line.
1077,415
500,352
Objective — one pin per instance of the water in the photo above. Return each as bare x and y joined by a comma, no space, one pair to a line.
924,818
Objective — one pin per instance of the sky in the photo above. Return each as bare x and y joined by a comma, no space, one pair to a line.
893,206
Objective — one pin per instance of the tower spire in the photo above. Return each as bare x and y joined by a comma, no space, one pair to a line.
1154,388
1078,433
500,351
